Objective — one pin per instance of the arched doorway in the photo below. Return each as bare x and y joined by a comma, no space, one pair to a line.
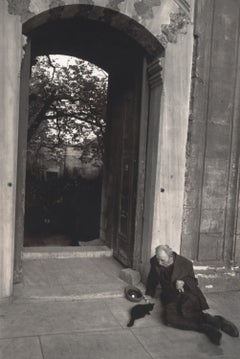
124,49
66,126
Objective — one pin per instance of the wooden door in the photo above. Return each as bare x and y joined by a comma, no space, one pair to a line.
120,179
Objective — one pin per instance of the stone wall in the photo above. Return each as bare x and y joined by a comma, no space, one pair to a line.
213,140
154,15
10,60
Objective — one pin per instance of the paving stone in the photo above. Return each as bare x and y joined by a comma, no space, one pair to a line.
27,319
34,273
20,348
169,343
109,266
108,345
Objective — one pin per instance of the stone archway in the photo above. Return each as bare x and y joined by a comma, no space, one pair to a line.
125,57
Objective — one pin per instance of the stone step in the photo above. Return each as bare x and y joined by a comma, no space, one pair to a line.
66,252
69,297
217,279
218,282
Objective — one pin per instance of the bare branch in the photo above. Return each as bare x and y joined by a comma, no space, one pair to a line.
51,64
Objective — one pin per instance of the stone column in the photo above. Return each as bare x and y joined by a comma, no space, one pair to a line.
167,138
10,60
174,129
174,120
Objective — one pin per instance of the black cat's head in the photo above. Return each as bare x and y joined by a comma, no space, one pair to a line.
150,306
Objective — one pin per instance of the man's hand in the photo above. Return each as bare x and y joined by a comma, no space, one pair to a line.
179,285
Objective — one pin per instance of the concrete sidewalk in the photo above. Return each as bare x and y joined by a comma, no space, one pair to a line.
37,325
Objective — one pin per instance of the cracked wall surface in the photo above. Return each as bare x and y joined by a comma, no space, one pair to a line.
157,16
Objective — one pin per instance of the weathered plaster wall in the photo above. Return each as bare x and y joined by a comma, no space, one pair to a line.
10,59
237,232
173,136
168,204
152,14
213,146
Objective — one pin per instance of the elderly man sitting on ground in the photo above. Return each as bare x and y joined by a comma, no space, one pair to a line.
182,300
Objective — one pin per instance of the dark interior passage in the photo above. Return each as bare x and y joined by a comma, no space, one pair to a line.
65,152
66,211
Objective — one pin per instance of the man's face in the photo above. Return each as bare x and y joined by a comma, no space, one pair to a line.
164,259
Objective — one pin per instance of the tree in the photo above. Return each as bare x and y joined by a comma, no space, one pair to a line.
67,106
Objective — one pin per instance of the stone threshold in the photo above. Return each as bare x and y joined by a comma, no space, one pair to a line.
218,279
66,252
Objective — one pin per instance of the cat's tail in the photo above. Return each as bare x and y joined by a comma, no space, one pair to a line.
131,322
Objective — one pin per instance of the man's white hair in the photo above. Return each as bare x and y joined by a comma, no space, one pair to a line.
165,248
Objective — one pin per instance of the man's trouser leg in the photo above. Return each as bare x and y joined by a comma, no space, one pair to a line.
196,322
174,318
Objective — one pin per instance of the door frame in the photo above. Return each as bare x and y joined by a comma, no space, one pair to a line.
147,158
22,161
148,142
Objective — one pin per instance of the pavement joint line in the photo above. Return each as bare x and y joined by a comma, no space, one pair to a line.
142,345
89,331
69,298
41,346
21,301
114,316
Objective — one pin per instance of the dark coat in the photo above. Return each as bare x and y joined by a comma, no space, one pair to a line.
182,270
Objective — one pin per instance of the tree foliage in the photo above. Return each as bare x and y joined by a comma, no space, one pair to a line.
67,105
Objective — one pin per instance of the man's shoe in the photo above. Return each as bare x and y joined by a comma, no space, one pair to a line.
228,327
213,334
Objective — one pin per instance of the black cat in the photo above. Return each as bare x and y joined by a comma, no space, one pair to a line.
139,311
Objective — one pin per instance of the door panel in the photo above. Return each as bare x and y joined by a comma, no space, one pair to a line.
120,178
